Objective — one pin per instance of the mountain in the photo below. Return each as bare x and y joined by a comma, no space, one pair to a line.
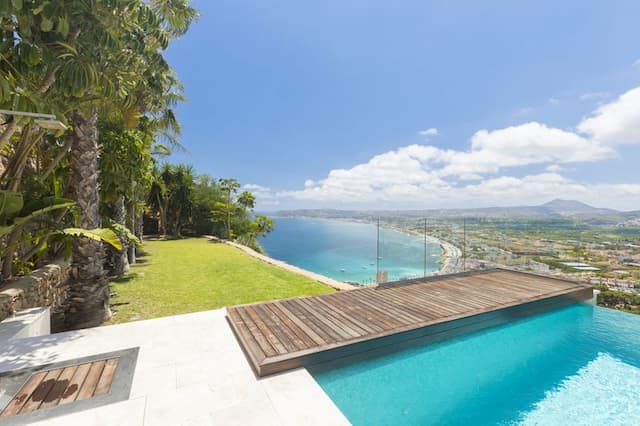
555,208
573,208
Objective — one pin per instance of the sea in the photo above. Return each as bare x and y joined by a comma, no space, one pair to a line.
346,251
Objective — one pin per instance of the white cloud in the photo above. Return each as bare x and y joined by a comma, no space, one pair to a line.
429,132
535,189
498,191
529,143
385,177
254,187
617,122
636,64
424,175
554,100
264,195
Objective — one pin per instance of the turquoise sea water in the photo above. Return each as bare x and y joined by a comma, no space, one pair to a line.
578,365
347,251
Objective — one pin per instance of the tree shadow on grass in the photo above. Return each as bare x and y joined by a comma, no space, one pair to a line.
124,279
162,238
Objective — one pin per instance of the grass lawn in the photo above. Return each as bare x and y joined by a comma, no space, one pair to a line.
195,274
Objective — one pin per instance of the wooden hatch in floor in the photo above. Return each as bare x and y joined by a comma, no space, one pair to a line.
286,334
45,391
59,386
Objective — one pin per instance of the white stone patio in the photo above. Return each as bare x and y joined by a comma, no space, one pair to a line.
190,371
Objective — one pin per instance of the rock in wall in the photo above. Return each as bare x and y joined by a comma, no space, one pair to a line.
46,286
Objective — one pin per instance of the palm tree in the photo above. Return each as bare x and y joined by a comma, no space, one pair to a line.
230,187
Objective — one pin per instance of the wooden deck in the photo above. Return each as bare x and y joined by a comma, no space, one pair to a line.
59,386
285,334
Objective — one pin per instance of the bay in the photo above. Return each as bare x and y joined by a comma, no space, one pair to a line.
346,251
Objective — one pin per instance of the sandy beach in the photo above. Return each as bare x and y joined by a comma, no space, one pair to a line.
450,257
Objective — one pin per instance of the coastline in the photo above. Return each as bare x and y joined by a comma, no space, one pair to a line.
449,258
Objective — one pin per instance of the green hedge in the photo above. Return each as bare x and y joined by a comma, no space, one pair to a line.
619,300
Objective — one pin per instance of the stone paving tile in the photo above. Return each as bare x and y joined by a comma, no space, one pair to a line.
297,403
125,413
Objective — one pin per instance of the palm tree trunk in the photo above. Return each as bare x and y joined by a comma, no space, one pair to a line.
229,215
131,249
121,259
89,289
162,220
138,228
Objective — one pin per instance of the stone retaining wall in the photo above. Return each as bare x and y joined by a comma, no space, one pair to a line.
46,286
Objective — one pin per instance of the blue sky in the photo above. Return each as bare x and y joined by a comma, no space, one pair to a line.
415,104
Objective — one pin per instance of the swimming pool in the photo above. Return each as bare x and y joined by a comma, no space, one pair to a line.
575,365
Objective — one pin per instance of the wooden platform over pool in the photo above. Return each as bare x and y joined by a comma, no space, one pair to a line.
286,334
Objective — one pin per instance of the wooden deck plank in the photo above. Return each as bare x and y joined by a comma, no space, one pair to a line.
425,302
487,293
358,312
104,384
385,309
266,332
91,381
314,337
326,333
263,346
372,312
41,392
458,296
58,386
56,392
342,316
283,334
348,314
342,330
71,392
446,297
274,325
21,398
508,283
300,338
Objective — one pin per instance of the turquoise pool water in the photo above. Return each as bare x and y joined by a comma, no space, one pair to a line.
575,365
346,251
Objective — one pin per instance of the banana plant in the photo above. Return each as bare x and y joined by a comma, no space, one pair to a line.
31,214
14,229
10,203
105,235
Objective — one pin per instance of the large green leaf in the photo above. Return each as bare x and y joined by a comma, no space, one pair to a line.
10,203
124,231
98,234
4,230
46,202
23,220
